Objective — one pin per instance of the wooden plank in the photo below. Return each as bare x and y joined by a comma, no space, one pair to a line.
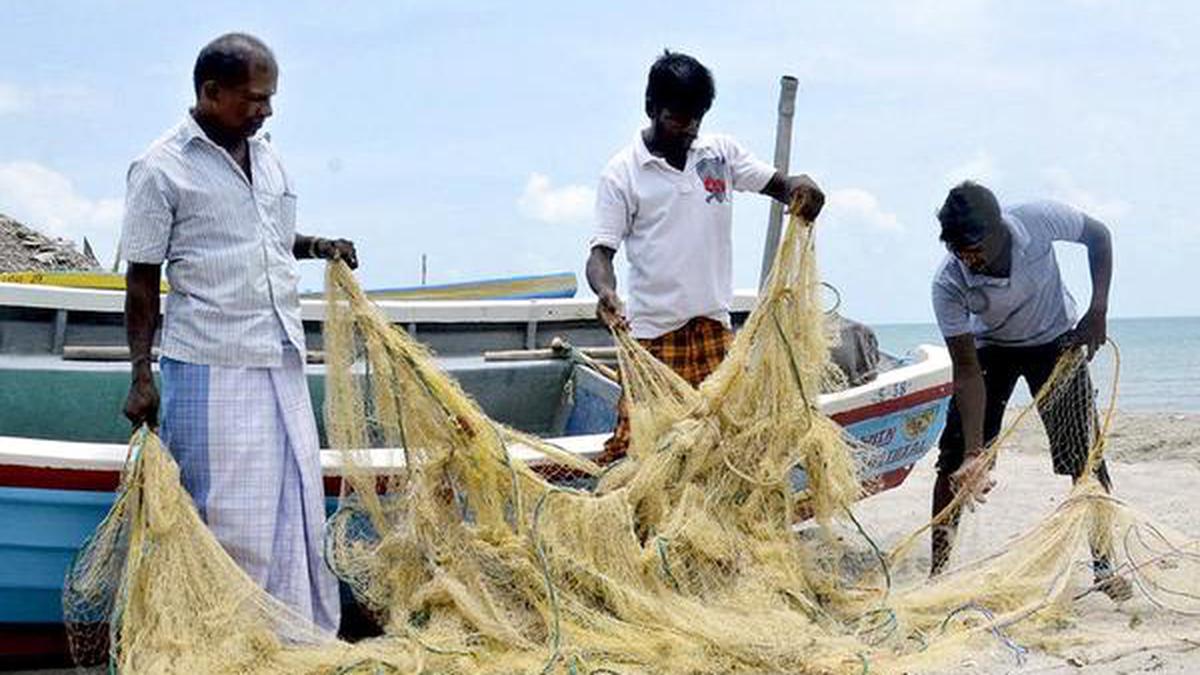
607,353
99,353
561,349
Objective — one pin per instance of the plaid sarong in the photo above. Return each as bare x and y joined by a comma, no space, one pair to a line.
246,443
693,350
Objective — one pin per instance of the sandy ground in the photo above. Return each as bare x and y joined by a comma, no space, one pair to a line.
1156,469
1155,464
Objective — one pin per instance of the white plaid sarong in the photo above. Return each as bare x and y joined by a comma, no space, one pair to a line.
246,443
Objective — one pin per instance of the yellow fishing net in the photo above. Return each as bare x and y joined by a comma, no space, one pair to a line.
687,557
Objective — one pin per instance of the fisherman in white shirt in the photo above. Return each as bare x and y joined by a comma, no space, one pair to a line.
668,197
212,201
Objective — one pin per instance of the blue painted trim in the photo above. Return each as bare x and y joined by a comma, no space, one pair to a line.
481,283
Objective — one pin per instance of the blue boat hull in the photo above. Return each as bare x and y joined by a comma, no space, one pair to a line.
40,529
40,533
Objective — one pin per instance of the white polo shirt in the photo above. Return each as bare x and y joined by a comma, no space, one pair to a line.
1032,306
677,228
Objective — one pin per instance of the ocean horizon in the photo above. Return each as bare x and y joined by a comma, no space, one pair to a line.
1159,361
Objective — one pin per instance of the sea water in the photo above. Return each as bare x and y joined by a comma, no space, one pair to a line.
1159,361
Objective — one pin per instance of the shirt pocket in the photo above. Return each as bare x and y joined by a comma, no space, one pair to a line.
281,213
287,212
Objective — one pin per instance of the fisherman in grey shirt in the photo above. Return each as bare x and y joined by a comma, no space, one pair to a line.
1005,314
212,201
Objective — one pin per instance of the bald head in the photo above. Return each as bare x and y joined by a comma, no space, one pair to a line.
231,59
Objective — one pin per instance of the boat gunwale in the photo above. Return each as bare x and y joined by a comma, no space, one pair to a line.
34,296
926,378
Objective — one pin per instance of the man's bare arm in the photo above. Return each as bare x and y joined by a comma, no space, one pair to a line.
969,393
141,320
603,281
305,247
787,189
1092,329
970,396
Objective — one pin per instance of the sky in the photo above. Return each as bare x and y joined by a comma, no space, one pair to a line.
474,132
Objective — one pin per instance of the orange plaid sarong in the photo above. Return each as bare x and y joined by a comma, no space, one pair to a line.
694,350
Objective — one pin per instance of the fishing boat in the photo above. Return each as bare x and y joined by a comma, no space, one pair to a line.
63,440
557,285
93,279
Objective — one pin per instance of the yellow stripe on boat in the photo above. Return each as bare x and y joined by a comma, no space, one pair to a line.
561,285
102,281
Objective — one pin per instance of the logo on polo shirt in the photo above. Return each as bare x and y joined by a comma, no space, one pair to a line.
712,171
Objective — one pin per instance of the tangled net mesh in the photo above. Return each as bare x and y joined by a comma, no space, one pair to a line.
481,549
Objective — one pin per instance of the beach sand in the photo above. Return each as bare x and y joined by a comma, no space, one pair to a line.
1155,464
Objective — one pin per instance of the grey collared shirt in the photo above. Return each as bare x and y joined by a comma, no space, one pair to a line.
227,244
1032,306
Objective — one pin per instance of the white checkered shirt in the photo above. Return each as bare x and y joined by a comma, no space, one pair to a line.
227,244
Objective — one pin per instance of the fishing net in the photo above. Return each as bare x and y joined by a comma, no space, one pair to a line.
725,542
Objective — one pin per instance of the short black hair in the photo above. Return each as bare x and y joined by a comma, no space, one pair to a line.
966,214
679,83
228,60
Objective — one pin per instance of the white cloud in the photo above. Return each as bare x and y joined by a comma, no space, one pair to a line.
566,205
858,208
47,201
1063,187
979,168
